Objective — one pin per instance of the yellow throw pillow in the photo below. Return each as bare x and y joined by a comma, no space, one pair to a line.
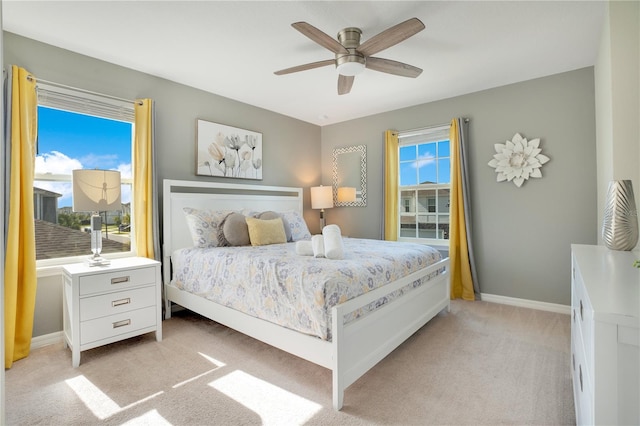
263,232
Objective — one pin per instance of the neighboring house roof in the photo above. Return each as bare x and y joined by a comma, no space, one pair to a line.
45,192
54,241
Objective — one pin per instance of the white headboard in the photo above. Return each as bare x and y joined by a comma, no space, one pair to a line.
178,194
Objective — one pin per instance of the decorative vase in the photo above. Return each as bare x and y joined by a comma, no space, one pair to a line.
620,225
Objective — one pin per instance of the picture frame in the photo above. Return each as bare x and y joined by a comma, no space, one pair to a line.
226,151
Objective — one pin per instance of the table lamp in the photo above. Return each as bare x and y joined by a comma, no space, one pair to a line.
96,191
321,198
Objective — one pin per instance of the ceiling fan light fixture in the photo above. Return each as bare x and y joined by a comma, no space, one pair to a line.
350,68
350,65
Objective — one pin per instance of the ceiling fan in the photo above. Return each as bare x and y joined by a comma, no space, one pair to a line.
352,58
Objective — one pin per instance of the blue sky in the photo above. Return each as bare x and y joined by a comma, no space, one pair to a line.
69,141
427,162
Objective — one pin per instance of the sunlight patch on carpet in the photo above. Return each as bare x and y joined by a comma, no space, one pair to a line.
274,405
218,364
97,401
151,418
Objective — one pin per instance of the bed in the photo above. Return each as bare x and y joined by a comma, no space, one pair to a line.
358,333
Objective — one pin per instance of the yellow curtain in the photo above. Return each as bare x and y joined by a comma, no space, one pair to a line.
143,179
391,185
461,278
20,280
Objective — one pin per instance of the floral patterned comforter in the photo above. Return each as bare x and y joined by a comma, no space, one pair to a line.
272,282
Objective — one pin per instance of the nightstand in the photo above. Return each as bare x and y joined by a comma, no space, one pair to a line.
105,304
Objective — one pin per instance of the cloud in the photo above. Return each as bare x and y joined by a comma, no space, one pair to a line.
423,160
125,171
56,163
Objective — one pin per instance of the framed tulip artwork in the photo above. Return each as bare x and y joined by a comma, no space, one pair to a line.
226,151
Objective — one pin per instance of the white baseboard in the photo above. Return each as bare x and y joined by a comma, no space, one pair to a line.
47,339
524,303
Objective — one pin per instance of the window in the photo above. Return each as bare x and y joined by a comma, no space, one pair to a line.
79,131
425,184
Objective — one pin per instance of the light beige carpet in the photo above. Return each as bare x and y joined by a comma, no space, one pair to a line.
482,363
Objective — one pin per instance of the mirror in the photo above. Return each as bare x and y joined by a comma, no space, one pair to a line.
350,170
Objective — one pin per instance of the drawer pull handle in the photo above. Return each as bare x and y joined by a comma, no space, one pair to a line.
581,311
121,302
580,368
122,323
574,315
119,280
573,359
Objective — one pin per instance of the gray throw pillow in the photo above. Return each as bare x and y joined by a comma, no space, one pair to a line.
233,231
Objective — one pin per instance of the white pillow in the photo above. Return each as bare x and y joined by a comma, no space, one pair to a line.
297,225
203,225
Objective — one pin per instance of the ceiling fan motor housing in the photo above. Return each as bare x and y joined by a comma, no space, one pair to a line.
351,63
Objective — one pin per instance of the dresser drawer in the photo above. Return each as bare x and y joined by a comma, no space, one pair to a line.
117,280
114,325
114,303
582,315
582,389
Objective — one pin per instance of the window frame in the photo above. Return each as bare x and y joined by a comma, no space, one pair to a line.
435,135
96,105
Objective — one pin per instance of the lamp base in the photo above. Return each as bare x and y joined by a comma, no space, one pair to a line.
97,260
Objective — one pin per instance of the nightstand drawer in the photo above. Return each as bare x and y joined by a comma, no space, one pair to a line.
114,303
126,322
117,280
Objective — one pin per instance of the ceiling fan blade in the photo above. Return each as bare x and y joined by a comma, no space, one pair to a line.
344,84
305,67
391,36
392,67
320,37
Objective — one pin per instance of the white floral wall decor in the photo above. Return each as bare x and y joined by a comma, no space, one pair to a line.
518,159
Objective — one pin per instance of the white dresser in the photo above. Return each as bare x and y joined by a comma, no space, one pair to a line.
104,304
605,336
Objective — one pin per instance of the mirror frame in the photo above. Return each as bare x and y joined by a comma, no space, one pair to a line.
361,201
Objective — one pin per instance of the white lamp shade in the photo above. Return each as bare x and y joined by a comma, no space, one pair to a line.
350,68
346,194
321,197
96,190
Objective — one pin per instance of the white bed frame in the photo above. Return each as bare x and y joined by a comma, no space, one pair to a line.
356,346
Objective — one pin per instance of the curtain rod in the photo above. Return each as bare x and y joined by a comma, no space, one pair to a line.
64,86
412,132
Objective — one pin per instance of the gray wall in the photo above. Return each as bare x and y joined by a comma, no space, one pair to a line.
522,236
291,148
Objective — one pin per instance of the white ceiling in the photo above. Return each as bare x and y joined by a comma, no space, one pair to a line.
232,48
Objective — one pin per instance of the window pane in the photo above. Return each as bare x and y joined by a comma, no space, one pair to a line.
427,151
93,142
408,201
408,174
426,200
427,173
443,226
425,166
443,200
69,141
427,226
408,226
407,153
444,170
443,149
